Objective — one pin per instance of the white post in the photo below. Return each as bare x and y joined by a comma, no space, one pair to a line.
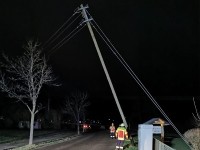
145,137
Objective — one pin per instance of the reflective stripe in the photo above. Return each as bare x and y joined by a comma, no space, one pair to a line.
121,133
122,139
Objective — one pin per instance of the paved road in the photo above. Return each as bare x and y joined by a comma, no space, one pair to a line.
90,141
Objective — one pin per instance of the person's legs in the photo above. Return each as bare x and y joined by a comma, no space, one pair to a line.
118,144
121,146
112,135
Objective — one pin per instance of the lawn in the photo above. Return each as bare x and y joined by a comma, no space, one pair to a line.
12,135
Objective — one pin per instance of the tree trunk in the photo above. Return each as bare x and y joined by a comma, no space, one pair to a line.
31,128
78,128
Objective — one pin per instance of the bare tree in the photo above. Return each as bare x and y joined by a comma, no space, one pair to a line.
197,116
193,135
24,77
75,105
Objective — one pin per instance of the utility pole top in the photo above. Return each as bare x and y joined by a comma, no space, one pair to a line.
84,14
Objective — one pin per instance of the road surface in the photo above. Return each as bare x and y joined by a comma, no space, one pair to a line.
90,141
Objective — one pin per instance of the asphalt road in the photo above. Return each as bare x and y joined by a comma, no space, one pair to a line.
90,141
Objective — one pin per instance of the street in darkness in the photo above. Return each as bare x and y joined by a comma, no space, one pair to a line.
89,141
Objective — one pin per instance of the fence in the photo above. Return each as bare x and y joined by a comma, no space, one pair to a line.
161,146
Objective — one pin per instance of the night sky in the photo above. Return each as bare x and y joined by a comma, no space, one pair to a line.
158,39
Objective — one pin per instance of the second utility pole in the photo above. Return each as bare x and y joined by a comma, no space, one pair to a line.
87,20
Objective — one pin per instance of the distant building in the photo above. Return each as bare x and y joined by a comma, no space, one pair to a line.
26,125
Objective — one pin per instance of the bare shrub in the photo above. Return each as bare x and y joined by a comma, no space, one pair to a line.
193,136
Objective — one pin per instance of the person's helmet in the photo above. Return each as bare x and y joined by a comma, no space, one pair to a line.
122,125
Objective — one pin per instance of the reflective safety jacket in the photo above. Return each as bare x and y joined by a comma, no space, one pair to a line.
121,133
112,129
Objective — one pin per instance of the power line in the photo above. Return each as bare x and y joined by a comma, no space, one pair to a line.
56,36
50,40
61,30
66,38
57,31
131,72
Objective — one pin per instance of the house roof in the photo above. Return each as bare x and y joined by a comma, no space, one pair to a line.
157,121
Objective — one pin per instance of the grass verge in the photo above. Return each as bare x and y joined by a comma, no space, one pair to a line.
13,135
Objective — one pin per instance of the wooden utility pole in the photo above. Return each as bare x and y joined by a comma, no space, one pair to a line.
87,20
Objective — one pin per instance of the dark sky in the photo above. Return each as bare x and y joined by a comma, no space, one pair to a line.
158,39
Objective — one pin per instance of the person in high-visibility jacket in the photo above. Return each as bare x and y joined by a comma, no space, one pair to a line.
121,134
112,131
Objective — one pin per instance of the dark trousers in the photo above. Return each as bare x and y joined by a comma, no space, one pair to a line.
120,144
112,134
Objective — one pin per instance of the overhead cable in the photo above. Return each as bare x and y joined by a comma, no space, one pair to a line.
67,38
55,36
64,30
120,58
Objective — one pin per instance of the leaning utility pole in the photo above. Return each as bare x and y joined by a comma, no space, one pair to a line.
87,20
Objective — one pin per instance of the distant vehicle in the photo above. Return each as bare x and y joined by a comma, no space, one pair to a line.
86,127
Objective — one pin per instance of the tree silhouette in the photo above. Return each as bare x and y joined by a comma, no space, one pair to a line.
75,105
23,77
